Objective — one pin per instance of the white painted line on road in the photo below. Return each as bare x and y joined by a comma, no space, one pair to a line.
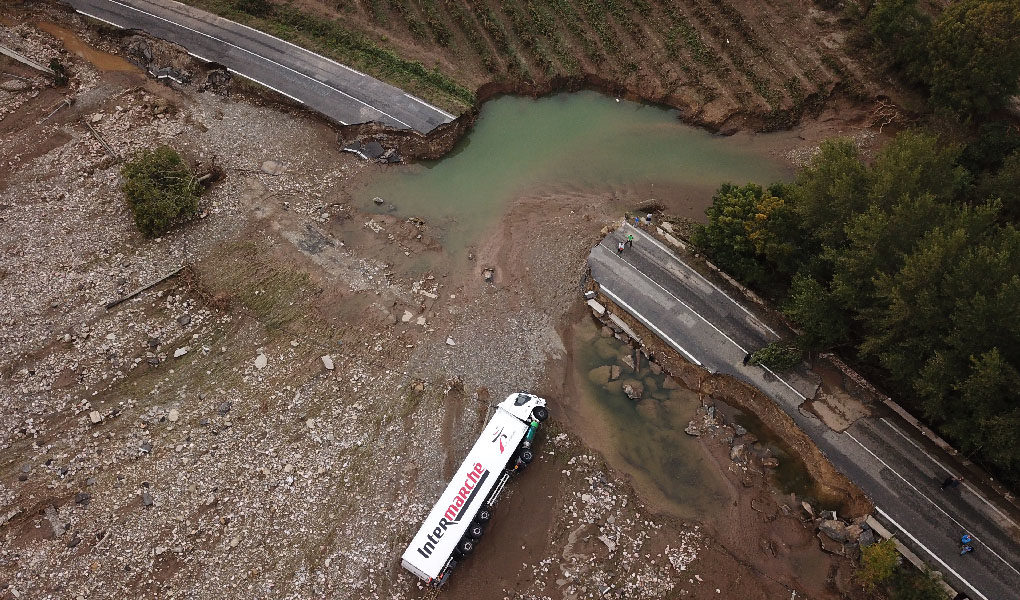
941,562
100,19
671,295
278,91
946,469
649,324
703,278
710,324
932,502
435,108
269,60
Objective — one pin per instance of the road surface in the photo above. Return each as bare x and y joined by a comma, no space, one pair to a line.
325,86
899,470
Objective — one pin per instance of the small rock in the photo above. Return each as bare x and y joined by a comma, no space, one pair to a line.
379,201
420,321
184,320
327,361
181,351
26,468
74,541
82,498
629,361
146,447
146,499
173,415
203,421
271,167
835,530
633,389
261,361
97,117
808,509
407,316
224,407
770,462
153,343
95,417
310,423
737,453
738,430
489,274
450,342
614,372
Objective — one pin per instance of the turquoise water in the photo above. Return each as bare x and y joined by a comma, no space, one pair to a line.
580,142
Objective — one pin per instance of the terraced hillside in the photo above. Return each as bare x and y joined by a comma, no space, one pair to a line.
725,63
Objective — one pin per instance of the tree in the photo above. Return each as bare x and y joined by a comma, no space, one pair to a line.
1004,185
813,307
778,356
726,237
829,191
878,563
916,162
974,56
160,189
902,30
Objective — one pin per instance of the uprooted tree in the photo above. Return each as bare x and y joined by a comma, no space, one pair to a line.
160,188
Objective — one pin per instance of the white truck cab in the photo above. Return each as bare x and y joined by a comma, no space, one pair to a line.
458,519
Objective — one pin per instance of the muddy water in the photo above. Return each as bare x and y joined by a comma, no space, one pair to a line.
645,439
104,61
571,142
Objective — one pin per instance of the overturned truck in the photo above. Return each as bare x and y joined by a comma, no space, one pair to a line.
458,519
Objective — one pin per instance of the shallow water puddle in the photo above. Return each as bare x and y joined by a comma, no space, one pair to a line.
103,61
568,143
645,438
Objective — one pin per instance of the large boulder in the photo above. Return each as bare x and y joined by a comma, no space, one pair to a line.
835,530
633,389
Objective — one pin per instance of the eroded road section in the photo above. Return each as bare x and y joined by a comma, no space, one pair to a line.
898,469
323,85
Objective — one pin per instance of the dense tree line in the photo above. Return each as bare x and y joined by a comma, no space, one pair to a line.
911,264
968,56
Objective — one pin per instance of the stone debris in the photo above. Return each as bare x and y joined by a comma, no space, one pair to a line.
327,362
450,342
181,351
95,417
261,361
173,415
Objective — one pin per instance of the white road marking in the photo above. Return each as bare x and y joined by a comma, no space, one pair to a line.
277,90
941,562
435,108
269,60
710,324
932,502
946,469
670,294
649,324
703,278
91,16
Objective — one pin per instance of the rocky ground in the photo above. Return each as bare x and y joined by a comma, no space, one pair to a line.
274,416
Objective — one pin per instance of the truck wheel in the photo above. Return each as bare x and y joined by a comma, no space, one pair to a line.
526,456
465,546
475,531
483,515
540,413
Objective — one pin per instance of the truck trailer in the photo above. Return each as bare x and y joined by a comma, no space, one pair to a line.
458,519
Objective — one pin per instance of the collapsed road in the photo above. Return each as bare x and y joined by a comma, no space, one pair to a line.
337,91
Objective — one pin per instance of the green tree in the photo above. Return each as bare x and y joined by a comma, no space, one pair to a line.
902,30
727,237
1005,186
778,356
823,319
914,585
829,191
974,56
916,162
878,563
160,189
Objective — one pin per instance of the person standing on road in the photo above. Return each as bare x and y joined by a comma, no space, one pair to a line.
630,240
951,481
619,248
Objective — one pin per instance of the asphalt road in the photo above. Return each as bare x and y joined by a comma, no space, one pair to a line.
325,86
899,470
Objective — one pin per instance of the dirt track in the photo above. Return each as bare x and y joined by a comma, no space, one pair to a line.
210,475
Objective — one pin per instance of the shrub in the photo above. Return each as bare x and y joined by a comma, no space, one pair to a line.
777,356
878,563
160,189
258,8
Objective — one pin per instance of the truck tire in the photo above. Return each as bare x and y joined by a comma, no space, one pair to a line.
466,546
540,413
475,530
526,456
483,515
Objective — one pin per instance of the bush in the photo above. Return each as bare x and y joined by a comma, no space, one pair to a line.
777,356
160,189
878,563
258,8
